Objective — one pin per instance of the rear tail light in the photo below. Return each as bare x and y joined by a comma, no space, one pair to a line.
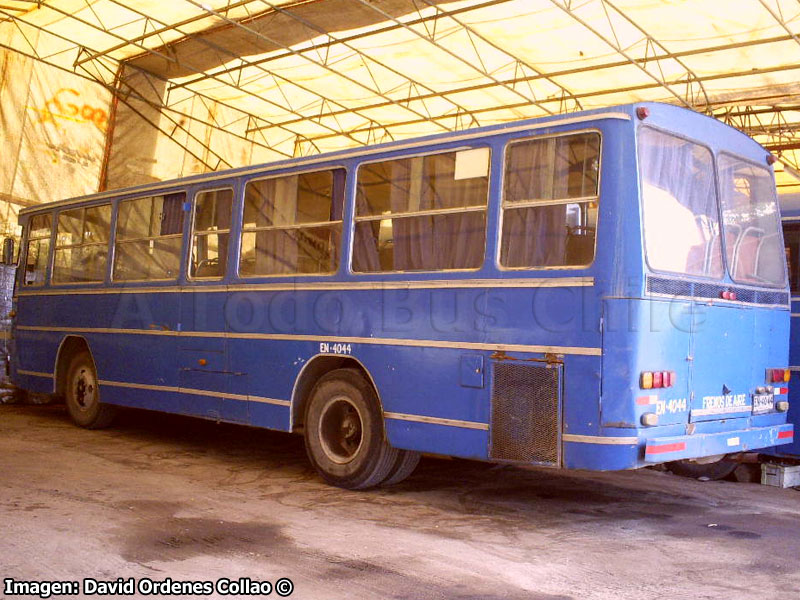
656,379
726,295
646,380
778,375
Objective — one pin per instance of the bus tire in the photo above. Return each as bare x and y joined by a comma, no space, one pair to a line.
713,471
407,461
82,394
344,433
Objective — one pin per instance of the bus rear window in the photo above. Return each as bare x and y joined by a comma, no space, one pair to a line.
751,223
681,223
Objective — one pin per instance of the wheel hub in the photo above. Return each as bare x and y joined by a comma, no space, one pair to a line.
84,389
340,430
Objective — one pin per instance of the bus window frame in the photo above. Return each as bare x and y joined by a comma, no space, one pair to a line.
640,197
190,242
771,172
111,228
23,259
486,143
113,240
240,229
501,204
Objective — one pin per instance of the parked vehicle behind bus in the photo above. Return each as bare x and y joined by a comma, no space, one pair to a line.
601,290
790,211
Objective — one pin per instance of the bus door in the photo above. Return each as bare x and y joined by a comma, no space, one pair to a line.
212,388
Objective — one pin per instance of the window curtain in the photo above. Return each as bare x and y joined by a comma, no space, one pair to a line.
222,218
452,241
172,214
536,236
276,250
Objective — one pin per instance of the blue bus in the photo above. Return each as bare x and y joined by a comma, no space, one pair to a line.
602,290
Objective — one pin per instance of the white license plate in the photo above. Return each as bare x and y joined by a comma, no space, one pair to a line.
763,403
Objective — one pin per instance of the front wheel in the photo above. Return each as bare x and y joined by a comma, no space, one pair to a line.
83,394
344,433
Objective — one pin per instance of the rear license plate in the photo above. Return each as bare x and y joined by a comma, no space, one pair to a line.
763,403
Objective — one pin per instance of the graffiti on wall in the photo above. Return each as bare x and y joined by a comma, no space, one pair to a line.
68,104
72,156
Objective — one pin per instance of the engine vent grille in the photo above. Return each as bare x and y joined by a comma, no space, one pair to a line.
526,413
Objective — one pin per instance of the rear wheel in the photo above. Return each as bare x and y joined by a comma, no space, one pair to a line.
711,470
407,461
344,433
83,394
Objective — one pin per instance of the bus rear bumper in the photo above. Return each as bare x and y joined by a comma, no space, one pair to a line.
681,447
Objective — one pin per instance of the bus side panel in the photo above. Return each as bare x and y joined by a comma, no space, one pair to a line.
645,335
414,380
36,351
438,439
120,358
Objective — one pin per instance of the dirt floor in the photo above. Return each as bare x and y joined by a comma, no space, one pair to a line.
162,497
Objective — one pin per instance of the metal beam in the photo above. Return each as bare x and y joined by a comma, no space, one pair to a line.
401,105
410,82
566,6
515,60
478,68
325,44
285,107
158,32
584,95
565,72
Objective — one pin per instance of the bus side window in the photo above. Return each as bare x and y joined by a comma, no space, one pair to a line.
211,227
422,213
148,242
38,250
550,201
82,245
292,224
791,238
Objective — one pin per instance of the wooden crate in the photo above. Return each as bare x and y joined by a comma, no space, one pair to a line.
783,476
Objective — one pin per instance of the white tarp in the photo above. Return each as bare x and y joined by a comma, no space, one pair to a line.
52,131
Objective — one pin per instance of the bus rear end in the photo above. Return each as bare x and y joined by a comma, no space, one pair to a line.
703,333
